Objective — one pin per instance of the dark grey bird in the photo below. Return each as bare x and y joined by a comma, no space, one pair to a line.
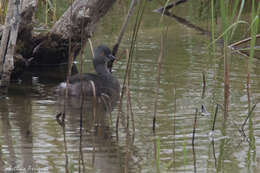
103,83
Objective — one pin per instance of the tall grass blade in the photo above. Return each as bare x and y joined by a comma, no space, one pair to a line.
46,12
54,17
158,150
234,9
224,16
130,60
212,26
254,30
225,32
238,16
159,62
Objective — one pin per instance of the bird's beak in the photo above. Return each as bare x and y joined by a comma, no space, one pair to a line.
110,63
111,57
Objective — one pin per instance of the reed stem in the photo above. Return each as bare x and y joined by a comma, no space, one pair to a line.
194,127
215,117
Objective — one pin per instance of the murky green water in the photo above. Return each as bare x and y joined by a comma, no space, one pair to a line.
32,140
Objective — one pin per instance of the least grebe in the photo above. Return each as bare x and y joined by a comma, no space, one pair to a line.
104,82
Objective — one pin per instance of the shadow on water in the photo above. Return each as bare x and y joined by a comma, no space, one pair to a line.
48,75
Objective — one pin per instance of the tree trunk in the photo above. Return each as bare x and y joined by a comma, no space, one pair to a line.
77,23
8,43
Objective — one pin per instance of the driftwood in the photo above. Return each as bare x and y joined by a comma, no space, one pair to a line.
165,10
169,6
52,48
84,18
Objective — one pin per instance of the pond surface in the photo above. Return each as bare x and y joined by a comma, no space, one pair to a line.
32,140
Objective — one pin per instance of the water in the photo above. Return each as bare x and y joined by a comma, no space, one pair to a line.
32,140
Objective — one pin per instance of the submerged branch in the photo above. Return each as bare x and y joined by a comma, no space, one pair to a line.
242,41
244,50
189,24
169,6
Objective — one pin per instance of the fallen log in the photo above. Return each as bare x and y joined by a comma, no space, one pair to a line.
52,48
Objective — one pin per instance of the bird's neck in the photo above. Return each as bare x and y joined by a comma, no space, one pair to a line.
102,70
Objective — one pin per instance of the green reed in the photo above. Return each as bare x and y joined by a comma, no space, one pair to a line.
162,166
230,15
158,150
159,62
212,25
133,38
234,12
3,10
254,28
46,11
50,10
224,19
54,16
230,22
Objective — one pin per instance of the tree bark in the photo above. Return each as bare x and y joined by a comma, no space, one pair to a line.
8,43
81,17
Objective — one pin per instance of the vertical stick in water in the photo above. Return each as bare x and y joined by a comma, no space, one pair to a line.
70,59
214,121
204,85
224,18
158,82
194,127
122,31
128,96
226,85
174,124
130,60
193,137
250,113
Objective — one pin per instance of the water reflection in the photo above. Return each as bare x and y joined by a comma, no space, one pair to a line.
17,116
32,139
